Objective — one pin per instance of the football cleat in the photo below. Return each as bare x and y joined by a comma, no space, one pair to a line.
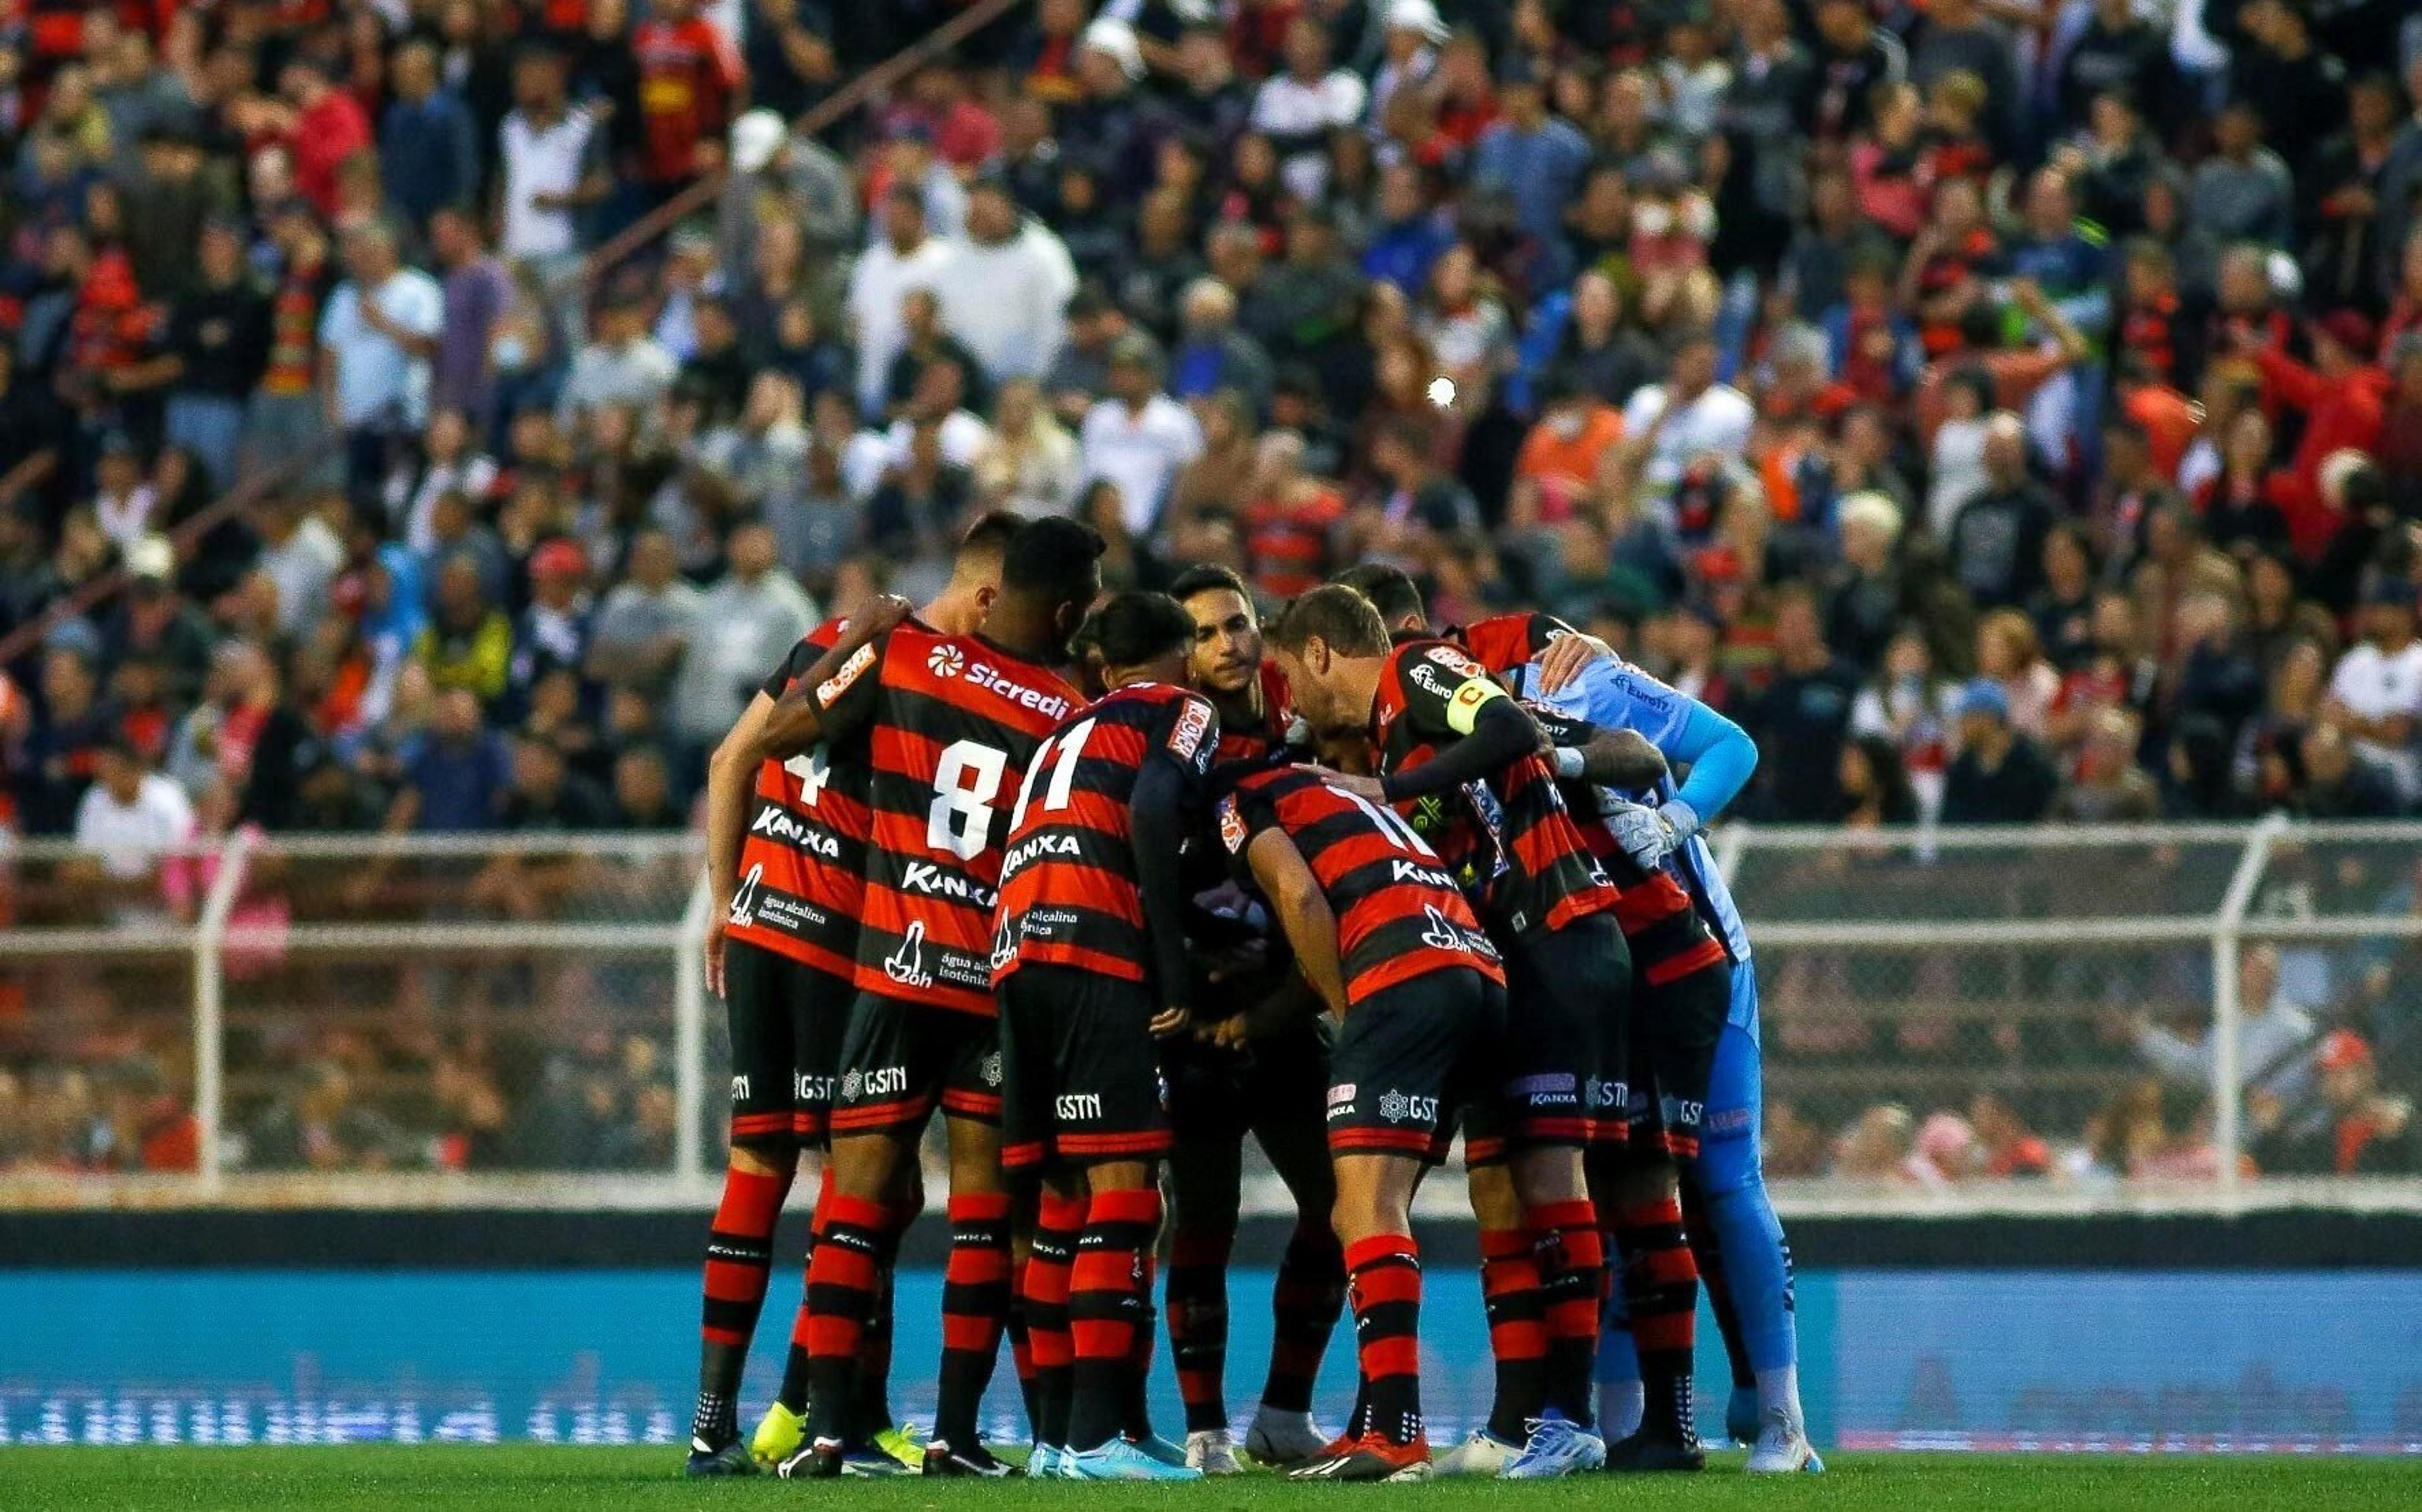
1558,1446
1484,1454
1121,1460
1741,1423
778,1436
1648,1453
973,1462
1782,1449
903,1442
1156,1447
1283,1439
1213,1451
1042,1461
716,1464
818,1460
1371,1457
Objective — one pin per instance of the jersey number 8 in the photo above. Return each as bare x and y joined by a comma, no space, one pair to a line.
967,779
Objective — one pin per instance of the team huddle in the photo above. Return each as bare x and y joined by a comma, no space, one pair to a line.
1115,888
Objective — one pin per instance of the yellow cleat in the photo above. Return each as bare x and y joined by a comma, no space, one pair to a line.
903,1443
778,1435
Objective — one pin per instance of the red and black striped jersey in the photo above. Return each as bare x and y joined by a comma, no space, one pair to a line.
1070,894
1256,743
803,861
1431,693
1399,913
1669,939
947,723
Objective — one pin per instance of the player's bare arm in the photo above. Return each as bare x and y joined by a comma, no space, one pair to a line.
1303,910
796,723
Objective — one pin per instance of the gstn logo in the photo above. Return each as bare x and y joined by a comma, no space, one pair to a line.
945,661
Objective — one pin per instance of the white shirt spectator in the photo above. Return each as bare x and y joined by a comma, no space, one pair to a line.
743,629
303,565
542,160
378,381
1718,422
2378,686
1285,106
876,286
1140,452
635,374
130,839
1006,301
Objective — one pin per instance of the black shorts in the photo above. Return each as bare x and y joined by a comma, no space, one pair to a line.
1220,1096
787,1022
1567,993
1674,1027
901,1060
1080,1080
1409,1059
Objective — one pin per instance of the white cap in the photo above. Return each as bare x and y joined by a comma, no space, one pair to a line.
151,557
1107,34
1416,16
755,138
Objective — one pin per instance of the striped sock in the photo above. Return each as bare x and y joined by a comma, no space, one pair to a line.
1107,1292
1056,1230
1384,1277
975,1308
1198,1323
794,1392
1517,1330
1661,1294
1305,1308
1572,1269
739,1258
845,1275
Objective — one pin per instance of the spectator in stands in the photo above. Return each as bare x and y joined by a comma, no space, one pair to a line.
2000,775
2352,1128
1806,709
2376,693
1138,437
750,620
131,816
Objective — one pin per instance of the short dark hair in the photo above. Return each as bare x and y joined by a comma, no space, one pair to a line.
1335,613
1136,627
1206,576
991,534
1053,560
1390,589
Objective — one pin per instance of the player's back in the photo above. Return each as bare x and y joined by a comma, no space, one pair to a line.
803,860
1070,893
1400,913
950,724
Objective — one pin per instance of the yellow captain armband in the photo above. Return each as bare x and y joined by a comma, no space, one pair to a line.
1463,706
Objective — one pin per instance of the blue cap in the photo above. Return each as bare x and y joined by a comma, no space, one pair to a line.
1983,695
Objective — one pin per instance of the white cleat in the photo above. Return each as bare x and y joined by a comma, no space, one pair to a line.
1782,1449
1482,1455
1213,1451
1284,1439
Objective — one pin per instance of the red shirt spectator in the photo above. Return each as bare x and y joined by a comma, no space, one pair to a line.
689,78
2343,399
329,126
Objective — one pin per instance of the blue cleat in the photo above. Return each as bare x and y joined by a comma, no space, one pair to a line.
1121,1460
731,1460
1557,1447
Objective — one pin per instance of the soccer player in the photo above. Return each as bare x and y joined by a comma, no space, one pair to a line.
1681,989
1447,738
947,724
786,855
1384,933
1271,1088
1091,967
1725,1182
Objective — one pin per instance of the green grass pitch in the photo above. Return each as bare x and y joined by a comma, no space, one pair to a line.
533,1479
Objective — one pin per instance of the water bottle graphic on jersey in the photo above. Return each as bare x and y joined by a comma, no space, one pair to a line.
907,965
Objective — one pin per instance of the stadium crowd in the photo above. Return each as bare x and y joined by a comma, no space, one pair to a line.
2007,411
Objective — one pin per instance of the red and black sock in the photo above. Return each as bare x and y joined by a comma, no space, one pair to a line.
1661,1294
975,1308
1107,1292
1198,1321
1517,1330
1572,1270
794,1392
844,1277
1384,1277
1304,1306
739,1258
1056,1227
873,1409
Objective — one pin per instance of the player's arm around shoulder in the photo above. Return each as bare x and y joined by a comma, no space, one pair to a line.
799,719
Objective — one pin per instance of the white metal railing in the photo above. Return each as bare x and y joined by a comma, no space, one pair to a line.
2206,892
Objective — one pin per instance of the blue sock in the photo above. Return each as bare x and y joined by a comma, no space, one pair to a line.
1758,1263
